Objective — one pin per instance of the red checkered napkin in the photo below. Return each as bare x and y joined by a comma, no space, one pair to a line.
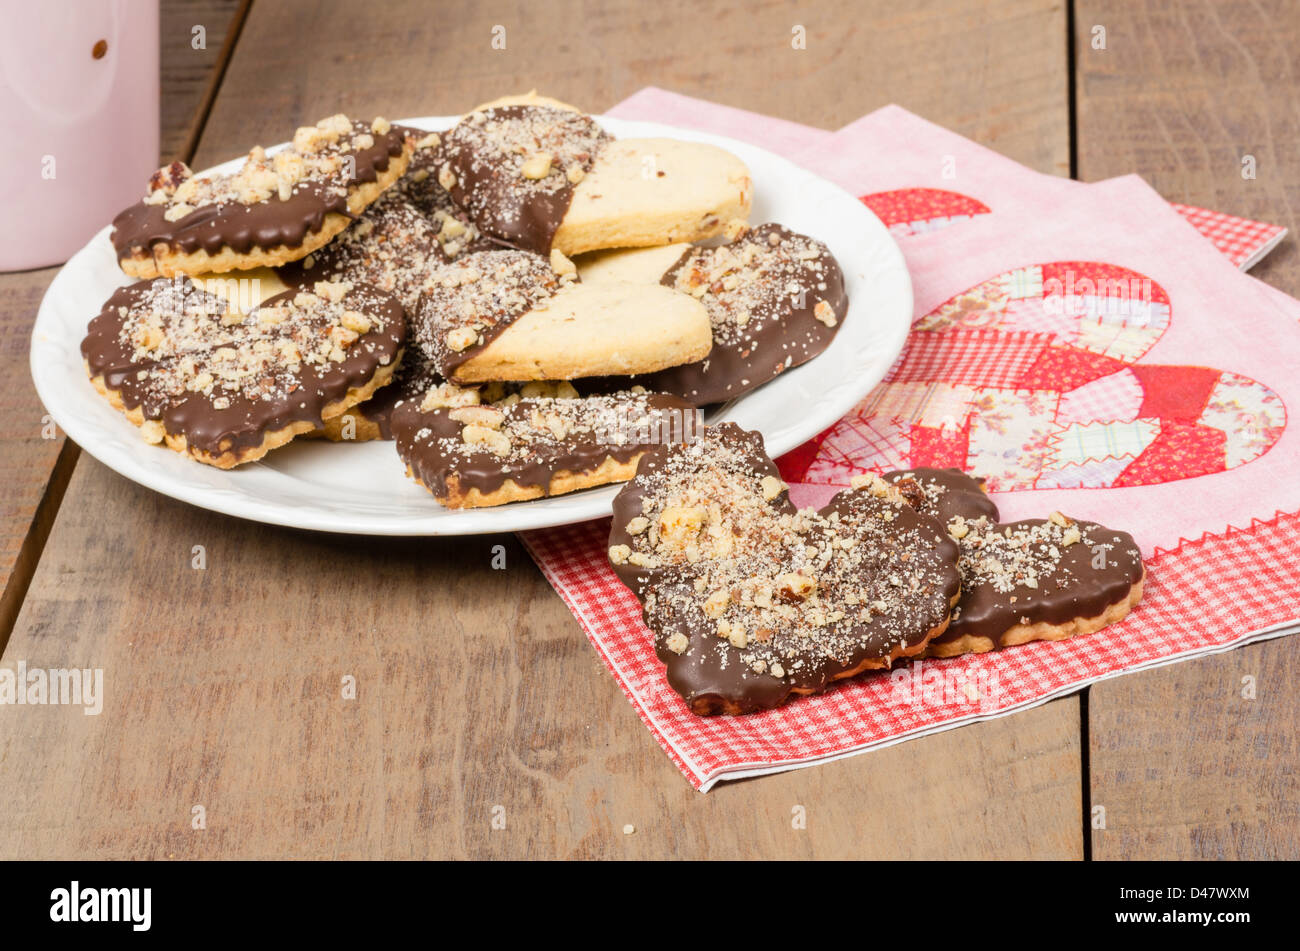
1210,595
1240,240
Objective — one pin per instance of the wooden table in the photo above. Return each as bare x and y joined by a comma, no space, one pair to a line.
477,694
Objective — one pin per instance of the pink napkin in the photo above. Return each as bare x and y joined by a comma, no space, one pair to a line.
919,177
1061,351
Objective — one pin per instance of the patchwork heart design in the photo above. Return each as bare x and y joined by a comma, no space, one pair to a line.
752,601
909,211
1034,379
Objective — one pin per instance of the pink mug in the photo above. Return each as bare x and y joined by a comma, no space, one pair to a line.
79,106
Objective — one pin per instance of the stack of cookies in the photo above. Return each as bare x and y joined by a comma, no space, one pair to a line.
523,304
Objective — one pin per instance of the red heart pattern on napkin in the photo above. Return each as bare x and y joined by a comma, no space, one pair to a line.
1034,379
908,211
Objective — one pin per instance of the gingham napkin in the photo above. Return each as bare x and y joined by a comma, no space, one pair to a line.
1108,413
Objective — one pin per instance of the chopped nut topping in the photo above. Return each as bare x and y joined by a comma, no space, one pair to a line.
486,416
789,590
562,266
472,298
824,312
795,587
537,166
152,432
498,442
316,157
462,338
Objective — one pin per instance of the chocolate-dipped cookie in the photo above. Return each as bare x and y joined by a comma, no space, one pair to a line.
543,439
539,177
751,601
225,387
944,494
515,316
775,300
1038,579
372,419
275,209
400,241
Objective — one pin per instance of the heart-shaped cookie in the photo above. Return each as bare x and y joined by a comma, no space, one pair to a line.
1035,379
539,177
752,601
1029,580
226,387
275,209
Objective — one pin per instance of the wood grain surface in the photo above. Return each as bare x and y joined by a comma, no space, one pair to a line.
1184,765
475,687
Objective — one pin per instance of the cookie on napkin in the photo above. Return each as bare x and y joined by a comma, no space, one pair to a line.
752,601
1029,580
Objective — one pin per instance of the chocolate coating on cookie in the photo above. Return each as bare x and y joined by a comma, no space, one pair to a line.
223,380
469,302
209,213
414,378
528,441
775,299
944,494
752,601
1039,571
513,168
399,241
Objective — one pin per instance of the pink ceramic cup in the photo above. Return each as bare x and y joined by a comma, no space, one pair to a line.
79,106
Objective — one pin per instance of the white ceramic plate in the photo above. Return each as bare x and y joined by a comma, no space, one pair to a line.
362,488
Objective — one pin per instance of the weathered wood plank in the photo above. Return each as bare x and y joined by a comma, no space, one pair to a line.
1184,766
